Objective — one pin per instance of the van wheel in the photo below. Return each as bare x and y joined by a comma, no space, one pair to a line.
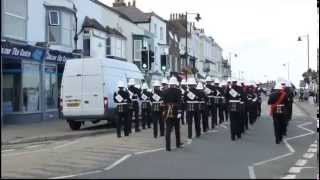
74,125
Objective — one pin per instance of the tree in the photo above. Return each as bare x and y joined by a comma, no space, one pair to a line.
310,73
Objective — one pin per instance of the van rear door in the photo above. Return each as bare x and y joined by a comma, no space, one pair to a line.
72,88
92,88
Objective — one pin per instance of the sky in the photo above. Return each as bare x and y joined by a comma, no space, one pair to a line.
264,33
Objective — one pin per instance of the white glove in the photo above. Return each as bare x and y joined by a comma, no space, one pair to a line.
179,115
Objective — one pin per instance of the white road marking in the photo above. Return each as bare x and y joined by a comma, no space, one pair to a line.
290,176
148,151
308,155
66,144
8,150
34,146
212,131
301,162
252,175
291,149
312,150
314,145
273,159
295,170
74,175
117,162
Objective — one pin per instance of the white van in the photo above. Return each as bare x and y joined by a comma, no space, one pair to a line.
88,86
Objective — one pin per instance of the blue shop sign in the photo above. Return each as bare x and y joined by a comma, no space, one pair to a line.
19,51
59,56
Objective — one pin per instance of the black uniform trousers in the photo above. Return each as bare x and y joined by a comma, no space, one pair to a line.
279,126
146,119
123,121
235,125
135,117
213,109
156,121
259,107
204,114
183,122
170,123
226,111
221,114
190,116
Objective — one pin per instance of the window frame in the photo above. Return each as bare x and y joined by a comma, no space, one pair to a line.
58,17
135,50
4,12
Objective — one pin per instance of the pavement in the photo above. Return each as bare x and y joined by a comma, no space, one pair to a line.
213,155
48,130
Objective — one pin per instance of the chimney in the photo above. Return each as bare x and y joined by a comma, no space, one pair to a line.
134,3
119,3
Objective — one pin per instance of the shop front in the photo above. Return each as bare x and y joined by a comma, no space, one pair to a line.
30,82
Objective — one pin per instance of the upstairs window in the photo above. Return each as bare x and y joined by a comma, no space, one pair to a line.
61,27
14,18
161,33
137,50
108,46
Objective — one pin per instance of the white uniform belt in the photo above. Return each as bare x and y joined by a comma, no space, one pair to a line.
193,102
121,103
235,101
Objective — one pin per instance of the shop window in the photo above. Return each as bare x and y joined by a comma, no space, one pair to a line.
15,19
51,87
31,88
11,87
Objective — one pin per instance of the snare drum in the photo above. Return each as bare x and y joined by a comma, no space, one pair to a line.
145,105
121,107
156,107
217,100
191,106
234,106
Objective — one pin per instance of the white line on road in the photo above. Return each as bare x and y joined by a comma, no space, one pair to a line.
8,150
290,176
308,155
291,149
74,175
295,170
314,145
148,151
34,146
117,162
301,162
252,175
312,150
66,144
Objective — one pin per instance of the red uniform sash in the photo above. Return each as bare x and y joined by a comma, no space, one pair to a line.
273,106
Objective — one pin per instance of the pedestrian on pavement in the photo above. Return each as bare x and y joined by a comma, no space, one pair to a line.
211,93
234,100
203,108
278,100
156,100
146,106
172,101
192,100
122,99
135,94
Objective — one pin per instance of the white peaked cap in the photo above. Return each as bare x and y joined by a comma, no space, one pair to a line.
164,81
156,83
191,81
239,83
120,84
184,82
173,81
199,86
278,86
217,81
137,86
145,86
131,82
209,79
229,80
149,90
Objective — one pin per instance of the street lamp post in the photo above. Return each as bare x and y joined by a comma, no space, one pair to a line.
308,47
230,59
